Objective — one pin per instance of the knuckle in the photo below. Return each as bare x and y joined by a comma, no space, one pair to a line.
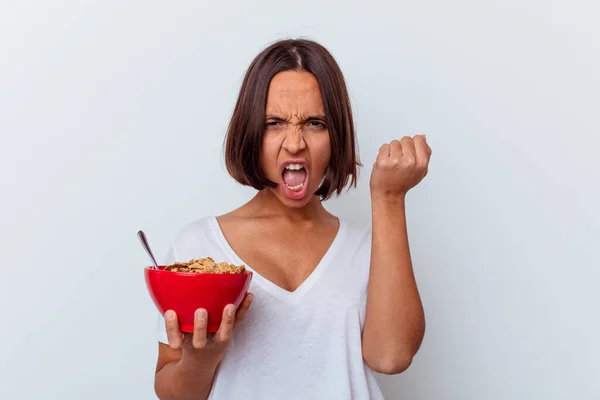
409,161
394,163
387,163
223,338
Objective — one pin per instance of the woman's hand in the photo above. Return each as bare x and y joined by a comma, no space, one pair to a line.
400,166
200,344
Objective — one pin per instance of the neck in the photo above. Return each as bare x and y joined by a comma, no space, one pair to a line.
266,204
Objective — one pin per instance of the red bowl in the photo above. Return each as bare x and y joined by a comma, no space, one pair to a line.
185,292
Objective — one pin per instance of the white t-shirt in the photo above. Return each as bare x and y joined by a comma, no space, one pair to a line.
304,344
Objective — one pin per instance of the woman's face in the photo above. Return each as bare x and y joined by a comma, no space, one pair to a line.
296,148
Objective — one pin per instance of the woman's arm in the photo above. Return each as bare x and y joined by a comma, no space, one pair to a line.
184,378
394,321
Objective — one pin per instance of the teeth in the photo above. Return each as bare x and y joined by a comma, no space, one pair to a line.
294,167
295,188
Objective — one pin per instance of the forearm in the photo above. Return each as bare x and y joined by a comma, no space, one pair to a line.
185,379
394,322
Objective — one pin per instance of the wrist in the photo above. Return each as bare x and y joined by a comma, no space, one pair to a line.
388,200
198,364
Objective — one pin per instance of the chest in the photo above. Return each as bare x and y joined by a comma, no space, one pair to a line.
284,256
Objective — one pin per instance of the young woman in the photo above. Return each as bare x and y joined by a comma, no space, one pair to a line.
331,302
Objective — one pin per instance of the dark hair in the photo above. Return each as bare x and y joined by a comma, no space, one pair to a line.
244,135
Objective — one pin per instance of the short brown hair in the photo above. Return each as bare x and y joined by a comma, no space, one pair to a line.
244,135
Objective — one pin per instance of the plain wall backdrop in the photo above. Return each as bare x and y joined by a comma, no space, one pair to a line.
112,118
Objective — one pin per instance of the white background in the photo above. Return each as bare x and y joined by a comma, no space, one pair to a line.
112,116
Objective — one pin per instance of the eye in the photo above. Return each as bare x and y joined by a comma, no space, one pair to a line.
271,124
317,124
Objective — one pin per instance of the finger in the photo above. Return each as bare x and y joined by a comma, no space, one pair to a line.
395,149
421,151
408,150
384,152
200,323
426,144
241,312
224,332
173,332
428,148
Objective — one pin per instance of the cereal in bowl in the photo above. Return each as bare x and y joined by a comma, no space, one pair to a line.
206,266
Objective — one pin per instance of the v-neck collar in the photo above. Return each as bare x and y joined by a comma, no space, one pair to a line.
271,287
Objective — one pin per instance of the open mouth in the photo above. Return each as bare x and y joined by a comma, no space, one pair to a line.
294,177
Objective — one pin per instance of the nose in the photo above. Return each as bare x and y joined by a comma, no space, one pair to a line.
294,140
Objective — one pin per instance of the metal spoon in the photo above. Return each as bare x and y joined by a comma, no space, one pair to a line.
146,246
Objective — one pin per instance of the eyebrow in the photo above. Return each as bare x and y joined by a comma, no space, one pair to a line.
317,117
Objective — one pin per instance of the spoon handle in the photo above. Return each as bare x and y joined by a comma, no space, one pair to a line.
146,246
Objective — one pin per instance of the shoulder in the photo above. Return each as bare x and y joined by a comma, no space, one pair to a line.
196,233
194,228
355,229
356,235
356,250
